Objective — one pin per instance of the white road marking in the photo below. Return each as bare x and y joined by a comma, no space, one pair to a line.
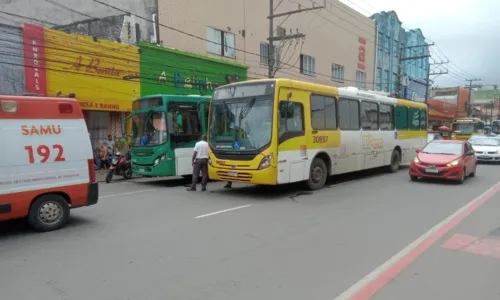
223,211
129,193
357,287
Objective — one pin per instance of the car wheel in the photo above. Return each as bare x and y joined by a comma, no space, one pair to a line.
49,212
462,178
413,178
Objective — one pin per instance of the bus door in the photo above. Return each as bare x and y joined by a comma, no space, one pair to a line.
203,112
292,142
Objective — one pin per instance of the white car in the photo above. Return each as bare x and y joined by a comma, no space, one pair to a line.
487,148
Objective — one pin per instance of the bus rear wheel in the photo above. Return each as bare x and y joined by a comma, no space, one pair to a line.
395,161
317,175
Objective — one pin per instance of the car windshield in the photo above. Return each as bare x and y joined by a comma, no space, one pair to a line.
486,142
443,148
149,129
463,128
241,124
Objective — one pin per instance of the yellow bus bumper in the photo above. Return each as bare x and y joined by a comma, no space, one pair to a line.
265,177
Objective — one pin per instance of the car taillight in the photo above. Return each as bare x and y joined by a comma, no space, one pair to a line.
91,170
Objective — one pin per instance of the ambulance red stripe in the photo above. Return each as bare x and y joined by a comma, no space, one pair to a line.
42,108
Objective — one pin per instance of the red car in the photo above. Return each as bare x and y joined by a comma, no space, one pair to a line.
444,159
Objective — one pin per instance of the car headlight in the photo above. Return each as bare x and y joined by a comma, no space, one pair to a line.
160,159
453,163
266,162
416,160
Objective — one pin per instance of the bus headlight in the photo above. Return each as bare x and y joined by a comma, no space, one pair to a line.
160,159
210,162
266,162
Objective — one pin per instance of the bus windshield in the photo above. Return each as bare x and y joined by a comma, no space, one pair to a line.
241,124
149,129
464,128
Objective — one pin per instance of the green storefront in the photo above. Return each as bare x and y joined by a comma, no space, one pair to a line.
175,72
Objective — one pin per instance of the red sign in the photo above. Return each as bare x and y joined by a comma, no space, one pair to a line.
34,59
361,54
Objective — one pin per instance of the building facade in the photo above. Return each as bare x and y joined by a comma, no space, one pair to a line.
87,17
454,95
416,69
12,81
401,65
338,48
390,40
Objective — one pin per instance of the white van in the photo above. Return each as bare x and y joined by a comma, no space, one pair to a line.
46,160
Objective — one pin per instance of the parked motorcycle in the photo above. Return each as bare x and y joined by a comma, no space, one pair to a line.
120,165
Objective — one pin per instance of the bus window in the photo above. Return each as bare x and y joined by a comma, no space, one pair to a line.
369,115
291,120
423,119
413,119
386,117
184,122
401,117
323,113
348,114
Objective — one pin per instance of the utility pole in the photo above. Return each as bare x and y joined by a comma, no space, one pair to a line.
429,74
402,65
469,105
272,38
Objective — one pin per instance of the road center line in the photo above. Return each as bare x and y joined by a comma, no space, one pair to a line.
378,278
129,193
223,211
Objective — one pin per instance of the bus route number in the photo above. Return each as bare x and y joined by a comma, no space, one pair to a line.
320,139
43,153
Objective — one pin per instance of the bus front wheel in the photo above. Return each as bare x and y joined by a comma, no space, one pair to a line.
317,175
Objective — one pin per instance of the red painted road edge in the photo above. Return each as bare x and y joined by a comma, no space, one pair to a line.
378,283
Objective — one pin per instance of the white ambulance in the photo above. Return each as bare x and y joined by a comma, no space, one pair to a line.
46,160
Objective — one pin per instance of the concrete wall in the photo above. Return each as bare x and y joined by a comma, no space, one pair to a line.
79,12
332,35
12,81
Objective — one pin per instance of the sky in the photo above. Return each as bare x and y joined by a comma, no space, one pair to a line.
467,33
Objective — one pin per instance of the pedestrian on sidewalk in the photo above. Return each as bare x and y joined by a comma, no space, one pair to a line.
200,163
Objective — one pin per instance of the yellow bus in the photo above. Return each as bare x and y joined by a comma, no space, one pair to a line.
278,131
464,128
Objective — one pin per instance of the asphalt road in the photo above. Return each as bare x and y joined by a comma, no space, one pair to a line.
152,240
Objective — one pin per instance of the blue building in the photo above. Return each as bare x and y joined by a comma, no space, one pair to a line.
415,69
390,40
393,73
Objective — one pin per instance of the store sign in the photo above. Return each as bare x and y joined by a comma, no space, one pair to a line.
194,83
103,75
415,91
362,53
34,59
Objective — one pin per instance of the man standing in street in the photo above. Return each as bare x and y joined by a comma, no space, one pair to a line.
111,144
200,163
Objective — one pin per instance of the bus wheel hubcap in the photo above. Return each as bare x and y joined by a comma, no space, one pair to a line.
50,212
317,174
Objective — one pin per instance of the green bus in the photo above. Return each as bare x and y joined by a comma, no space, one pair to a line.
162,131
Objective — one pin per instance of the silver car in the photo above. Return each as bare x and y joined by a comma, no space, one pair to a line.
487,148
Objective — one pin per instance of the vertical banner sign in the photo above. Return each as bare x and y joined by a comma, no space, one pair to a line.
34,59
361,53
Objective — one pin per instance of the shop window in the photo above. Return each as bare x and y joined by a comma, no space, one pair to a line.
183,123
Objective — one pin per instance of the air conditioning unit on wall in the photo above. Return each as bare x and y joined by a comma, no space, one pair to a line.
405,80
